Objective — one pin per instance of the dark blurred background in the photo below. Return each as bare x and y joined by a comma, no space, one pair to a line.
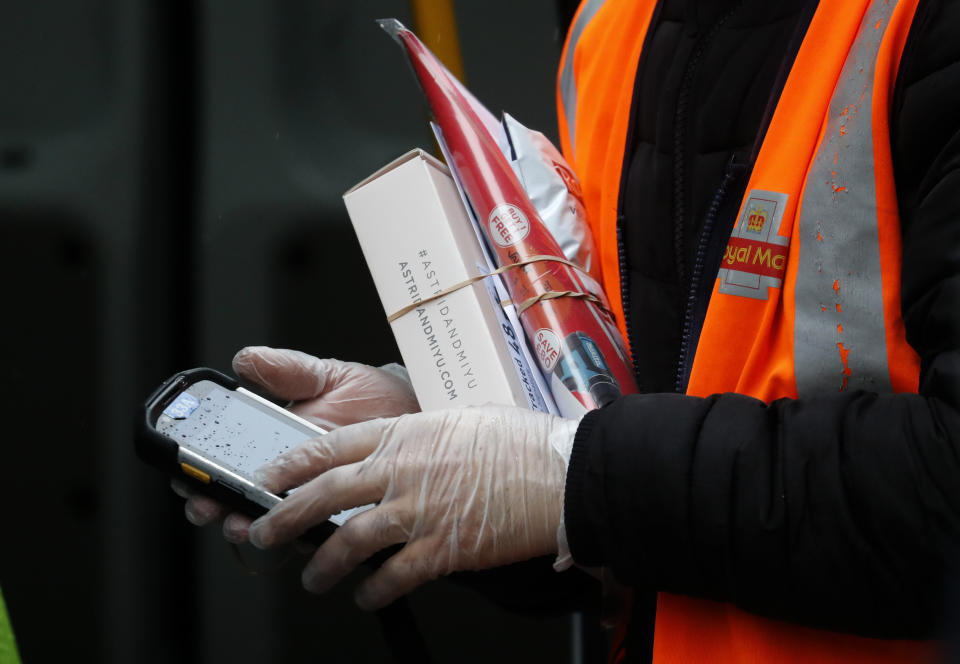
170,190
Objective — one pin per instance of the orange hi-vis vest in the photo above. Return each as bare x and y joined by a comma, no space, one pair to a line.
807,299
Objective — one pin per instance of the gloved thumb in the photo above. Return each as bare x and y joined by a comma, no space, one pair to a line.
286,374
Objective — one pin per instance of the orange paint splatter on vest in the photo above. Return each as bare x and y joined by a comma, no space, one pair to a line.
844,354
836,286
833,180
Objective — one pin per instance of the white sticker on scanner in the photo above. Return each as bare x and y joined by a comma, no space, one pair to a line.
182,406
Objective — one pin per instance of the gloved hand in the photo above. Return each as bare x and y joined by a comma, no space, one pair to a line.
330,393
466,489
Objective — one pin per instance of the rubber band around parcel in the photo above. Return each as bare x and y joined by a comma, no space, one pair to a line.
523,306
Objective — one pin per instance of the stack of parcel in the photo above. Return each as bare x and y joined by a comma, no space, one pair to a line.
485,266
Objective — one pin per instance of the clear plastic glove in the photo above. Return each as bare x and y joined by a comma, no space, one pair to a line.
328,392
465,489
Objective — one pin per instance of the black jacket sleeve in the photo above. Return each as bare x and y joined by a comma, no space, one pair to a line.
840,512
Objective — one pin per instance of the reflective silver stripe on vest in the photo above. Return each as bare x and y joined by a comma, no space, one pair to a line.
839,337
568,82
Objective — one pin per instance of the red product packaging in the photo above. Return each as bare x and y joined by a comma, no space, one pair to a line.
563,311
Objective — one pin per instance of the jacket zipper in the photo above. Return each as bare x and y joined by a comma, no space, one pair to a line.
679,135
679,190
625,301
697,299
621,250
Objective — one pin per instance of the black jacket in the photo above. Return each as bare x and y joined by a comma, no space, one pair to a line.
841,512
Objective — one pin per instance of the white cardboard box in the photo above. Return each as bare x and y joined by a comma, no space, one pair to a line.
417,241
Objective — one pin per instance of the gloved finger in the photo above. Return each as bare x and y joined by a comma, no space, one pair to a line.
413,566
309,411
352,543
201,510
287,374
180,488
313,457
236,528
337,408
357,393
334,491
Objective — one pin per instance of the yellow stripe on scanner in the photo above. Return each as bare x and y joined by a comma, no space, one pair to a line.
195,473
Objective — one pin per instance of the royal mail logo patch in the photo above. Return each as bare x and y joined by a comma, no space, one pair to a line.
756,218
756,255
